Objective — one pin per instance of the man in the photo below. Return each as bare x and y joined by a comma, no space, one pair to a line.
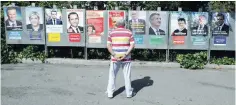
155,20
120,43
11,22
182,31
201,28
73,18
221,26
35,22
137,26
54,20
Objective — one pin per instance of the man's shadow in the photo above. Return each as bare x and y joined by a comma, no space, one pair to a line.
137,85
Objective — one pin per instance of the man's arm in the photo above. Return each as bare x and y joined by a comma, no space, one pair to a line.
132,45
110,49
130,48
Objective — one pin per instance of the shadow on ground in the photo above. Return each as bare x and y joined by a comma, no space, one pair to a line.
137,85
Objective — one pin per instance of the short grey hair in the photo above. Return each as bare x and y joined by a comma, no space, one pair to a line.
120,22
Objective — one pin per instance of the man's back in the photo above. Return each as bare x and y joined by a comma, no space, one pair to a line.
120,40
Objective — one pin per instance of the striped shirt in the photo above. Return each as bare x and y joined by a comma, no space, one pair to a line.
120,40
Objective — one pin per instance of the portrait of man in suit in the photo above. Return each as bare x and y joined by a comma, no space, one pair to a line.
181,31
12,23
34,19
201,28
54,20
220,24
73,19
155,20
136,25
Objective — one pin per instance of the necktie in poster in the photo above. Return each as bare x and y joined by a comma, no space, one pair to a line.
95,28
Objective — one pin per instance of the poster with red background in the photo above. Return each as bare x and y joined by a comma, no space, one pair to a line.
114,16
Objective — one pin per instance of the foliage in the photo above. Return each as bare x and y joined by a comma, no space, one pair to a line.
223,61
192,61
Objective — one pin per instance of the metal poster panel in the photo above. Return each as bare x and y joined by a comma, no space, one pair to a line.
95,26
34,23
75,24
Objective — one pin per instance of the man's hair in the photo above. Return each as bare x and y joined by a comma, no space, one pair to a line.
10,8
120,22
182,19
34,13
72,14
220,14
153,14
53,11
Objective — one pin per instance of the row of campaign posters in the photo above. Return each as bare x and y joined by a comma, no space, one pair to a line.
141,23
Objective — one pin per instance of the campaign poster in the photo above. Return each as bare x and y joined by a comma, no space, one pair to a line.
179,24
219,40
199,24
157,27
95,25
53,18
34,22
137,22
113,17
13,18
75,24
220,24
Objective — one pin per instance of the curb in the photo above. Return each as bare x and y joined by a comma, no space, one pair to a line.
97,62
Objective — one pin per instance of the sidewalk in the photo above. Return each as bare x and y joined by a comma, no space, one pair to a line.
134,63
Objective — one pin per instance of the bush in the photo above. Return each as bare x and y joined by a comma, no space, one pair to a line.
192,61
223,61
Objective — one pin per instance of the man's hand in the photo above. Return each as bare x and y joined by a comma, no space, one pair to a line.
121,57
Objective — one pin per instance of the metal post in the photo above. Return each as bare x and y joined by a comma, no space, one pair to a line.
33,4
13,4
116,8
179,8
74,6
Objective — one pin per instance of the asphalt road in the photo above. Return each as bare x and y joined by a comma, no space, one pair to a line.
51,84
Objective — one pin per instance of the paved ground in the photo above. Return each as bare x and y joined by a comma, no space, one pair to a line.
49,84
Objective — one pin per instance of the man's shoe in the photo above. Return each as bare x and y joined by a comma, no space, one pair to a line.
110,96
132,95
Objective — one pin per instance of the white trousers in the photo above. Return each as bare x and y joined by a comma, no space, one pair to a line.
114,68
